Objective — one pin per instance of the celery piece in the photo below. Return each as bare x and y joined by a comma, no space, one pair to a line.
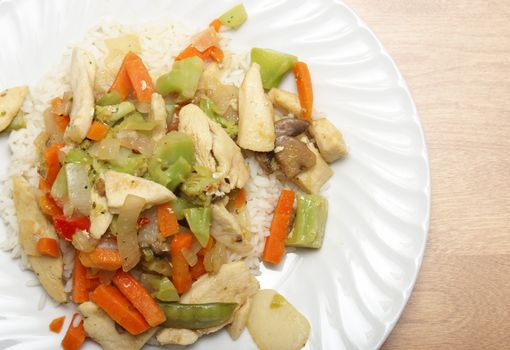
110,98
199,221
136,121
183,79
78,156
310,222
234,17
178,206
273,65
112,114
164,289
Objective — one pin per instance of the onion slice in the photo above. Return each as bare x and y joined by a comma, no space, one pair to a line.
78,187
106,149
127,231
205,39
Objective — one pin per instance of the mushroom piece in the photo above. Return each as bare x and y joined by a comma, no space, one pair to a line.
11,101
290,126
294,156
266,161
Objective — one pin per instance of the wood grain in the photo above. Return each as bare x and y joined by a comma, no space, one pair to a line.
455,57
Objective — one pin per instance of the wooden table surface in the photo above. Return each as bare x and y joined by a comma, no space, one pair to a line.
455,57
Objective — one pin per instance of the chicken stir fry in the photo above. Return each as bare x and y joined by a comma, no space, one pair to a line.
146,183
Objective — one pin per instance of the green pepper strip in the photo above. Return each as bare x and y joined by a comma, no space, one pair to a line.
197,316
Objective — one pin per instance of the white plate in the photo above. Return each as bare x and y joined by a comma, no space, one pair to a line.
352,290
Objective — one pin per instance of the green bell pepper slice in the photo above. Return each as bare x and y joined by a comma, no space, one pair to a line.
197,316
199,221
273,65
136,121
183,79
310,222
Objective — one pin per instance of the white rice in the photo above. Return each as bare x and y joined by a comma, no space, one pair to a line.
160,41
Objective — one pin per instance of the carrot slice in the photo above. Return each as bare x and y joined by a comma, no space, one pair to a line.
181,276
75,335
122,83
198,269
62,122
48,246
140,79
52,162
238,200
49,206
57,324
108,298
304,87
275,243
167,220
139,297
216,24
97,131
104,259
44,186
80,292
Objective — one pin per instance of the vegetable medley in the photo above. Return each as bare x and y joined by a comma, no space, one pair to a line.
146,182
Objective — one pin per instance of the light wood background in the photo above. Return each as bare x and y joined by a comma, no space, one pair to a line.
455,57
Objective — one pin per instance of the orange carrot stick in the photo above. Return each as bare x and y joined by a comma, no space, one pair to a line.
52,162
216,24
97,131
104,259
198,269
181,276
49,206
56,324
80,292
62,121
140,79
304,87
48,246
167,220
139,297
275,243
75,335
108,298
122,83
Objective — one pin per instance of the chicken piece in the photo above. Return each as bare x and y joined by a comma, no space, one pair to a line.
256,120
101,328
286,101
157,113
82,76
100,217
314,178
329,140
11,101
214,149
119,185
233,283
172,336
226,229
32,226
239,320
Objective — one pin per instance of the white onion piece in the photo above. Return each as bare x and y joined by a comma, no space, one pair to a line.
195,246
127,231
78,187
106,149
142,107
205,39
136,141
84,242
190,257
149,233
